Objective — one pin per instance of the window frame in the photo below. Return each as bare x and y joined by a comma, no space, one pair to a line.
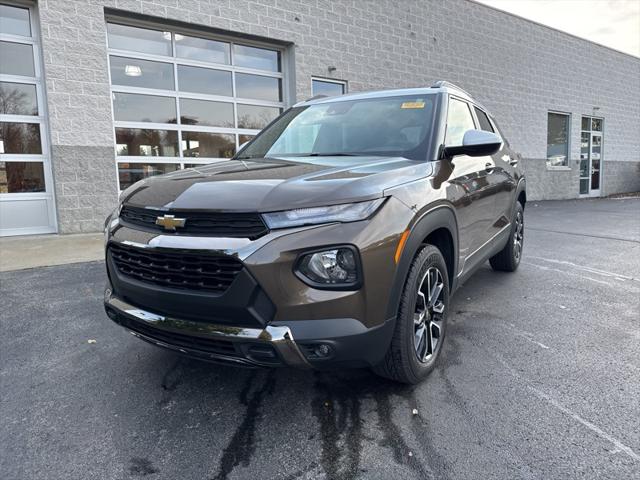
475,107
178,94
446,124
591,131
567,164
344,83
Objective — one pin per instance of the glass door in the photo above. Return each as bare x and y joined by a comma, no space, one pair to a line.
591,156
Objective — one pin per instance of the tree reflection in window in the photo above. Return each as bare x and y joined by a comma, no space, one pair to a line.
21,177
20,138
18,99
146,142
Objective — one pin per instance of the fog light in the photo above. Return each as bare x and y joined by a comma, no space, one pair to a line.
322,350
337,267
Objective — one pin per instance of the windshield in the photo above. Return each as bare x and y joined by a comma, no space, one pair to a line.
397,126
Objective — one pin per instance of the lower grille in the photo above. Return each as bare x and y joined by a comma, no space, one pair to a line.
181,270
221,347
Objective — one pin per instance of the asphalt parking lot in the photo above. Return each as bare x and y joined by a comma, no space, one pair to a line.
540,379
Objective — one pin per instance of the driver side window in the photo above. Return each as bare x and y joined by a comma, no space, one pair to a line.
459,120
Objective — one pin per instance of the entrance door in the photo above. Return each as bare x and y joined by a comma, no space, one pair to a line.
591,157
26,187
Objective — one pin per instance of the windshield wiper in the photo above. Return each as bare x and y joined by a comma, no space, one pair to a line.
331,154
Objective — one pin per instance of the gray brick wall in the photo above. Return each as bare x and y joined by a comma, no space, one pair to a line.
544,183
518,69
621,177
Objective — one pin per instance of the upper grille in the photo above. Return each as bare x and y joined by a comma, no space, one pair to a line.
183,270
236,225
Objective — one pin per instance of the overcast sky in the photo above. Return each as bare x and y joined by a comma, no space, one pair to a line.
614,23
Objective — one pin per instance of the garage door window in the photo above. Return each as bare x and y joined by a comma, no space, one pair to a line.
180,96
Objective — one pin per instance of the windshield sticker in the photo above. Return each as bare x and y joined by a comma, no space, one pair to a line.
412,105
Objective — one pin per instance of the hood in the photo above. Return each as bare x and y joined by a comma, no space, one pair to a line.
271,184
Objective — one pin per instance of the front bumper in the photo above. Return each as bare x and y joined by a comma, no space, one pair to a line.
350,344
270,346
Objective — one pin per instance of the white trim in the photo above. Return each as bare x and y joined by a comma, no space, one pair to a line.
14,232
186,128
8,118
9,37
5,77
195,96
193,63
22,157
11,197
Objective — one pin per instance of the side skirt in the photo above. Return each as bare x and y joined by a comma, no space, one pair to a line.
482,254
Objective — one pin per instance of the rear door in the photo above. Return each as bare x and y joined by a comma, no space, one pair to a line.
500,178
473,199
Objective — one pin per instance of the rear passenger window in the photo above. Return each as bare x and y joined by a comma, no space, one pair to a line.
459,120
483,120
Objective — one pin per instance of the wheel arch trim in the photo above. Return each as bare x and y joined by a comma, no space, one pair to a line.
441,216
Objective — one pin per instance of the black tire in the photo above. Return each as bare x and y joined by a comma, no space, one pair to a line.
508,259
402,363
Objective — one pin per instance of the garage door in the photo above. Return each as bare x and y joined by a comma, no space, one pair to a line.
26,187
183,99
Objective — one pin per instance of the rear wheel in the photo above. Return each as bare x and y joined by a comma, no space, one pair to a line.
508,259
421,322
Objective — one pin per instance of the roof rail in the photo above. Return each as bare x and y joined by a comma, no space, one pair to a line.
317,97
445,84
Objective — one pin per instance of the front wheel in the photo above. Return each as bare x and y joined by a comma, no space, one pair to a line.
421,322
508,259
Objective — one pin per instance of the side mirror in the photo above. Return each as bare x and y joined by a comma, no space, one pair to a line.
242,146
475,143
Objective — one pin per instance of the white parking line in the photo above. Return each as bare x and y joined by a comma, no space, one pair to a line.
527,336
541,267
596,271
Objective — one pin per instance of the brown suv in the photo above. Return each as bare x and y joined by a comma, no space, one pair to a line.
334,238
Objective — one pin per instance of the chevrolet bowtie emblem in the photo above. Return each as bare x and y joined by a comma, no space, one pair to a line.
170,222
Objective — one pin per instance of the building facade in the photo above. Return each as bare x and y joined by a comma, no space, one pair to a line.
95,95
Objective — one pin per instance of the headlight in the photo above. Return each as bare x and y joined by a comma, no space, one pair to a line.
112,220
346,212
332,268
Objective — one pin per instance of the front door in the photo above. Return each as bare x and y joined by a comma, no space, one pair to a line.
471,175
591,157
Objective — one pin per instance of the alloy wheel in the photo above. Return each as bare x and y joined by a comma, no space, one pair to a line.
428,314
518,236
